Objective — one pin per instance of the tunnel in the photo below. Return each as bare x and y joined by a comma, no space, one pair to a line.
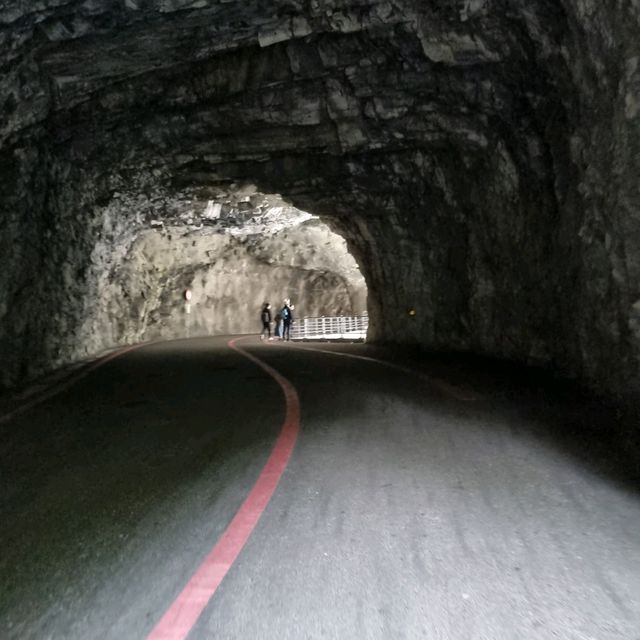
479,158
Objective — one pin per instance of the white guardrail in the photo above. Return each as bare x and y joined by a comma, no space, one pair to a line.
330,327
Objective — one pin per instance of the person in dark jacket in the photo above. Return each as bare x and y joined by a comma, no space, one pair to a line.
287,319
265,316
278,327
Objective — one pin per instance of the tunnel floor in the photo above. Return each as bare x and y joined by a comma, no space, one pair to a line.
418,502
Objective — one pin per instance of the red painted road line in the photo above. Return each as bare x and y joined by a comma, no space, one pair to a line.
445,387
57,389
180,618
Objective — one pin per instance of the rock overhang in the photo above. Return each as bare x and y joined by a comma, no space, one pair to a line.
460,147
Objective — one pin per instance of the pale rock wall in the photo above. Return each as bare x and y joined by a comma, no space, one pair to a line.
141,296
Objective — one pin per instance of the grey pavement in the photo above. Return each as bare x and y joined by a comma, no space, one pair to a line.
404,512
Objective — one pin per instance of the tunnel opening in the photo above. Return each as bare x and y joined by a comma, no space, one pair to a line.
204,261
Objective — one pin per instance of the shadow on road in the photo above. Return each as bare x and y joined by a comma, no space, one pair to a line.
600,432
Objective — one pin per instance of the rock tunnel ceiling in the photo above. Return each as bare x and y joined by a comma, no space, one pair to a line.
480,157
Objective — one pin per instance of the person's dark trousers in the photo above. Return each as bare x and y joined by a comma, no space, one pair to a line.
266,329
287,330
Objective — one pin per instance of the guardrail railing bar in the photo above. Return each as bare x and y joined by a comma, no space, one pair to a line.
330,326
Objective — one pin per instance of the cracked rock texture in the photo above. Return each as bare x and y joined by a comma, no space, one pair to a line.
231,265
480,157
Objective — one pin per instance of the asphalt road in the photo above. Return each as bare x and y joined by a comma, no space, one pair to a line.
420,501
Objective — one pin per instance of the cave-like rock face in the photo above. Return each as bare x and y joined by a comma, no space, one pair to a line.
481,157
232,252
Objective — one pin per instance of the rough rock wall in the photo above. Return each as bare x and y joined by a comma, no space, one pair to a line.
481,157
140,296
124,283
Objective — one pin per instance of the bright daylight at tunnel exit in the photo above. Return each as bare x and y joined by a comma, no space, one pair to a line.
320,319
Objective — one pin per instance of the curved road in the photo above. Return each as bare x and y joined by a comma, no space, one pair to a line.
417,503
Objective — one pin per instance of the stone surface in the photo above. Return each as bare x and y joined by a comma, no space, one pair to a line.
480,157
231,266
233,249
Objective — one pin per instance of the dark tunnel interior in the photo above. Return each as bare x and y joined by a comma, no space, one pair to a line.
479,161
480,158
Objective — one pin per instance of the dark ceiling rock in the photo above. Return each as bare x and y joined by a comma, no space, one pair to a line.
481,157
